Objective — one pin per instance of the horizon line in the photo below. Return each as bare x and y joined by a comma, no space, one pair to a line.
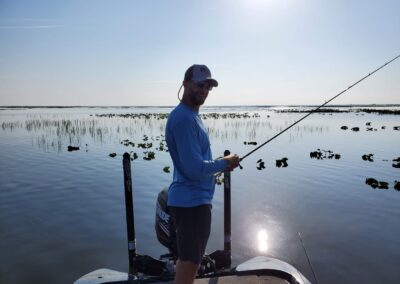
168,106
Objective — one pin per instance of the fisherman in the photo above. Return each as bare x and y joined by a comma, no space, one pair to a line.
192,189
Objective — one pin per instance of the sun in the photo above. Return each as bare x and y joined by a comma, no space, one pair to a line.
260,3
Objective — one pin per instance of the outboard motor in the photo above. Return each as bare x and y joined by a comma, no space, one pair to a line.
166,235
165,227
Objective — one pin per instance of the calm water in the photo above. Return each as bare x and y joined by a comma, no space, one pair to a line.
62,213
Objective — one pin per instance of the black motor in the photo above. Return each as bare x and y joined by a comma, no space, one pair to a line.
165,227
166,235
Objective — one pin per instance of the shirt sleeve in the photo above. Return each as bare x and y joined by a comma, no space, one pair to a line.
190,157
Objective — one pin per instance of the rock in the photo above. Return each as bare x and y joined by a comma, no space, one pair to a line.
383,185
282,163
397,185
368,157
355,129
261,165
396,163
377,184
134,156
166,169
372,182
112,155
315,154
344,127
250,143
72,148
324,154
149,156
145,145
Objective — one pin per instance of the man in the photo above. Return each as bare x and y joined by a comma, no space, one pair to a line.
192,189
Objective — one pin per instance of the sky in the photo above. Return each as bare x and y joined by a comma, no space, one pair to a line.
135,53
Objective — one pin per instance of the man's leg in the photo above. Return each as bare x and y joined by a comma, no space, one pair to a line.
185,272
193,226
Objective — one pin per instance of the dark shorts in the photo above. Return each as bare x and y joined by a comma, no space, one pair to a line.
193,226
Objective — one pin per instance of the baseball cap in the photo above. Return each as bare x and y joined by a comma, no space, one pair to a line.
200,73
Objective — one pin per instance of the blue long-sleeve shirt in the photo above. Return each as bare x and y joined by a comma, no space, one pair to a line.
189,146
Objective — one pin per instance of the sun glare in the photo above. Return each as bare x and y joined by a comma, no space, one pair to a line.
259,3
262,240
264,8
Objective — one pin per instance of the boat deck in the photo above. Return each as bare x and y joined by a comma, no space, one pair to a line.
103,276
252,279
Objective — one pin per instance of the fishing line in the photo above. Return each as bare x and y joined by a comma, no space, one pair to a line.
309,262
314,110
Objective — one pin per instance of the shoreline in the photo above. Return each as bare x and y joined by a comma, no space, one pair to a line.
208,106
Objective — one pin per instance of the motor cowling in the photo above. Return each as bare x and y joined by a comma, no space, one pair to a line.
164,225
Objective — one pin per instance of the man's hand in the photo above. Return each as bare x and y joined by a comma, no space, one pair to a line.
233,161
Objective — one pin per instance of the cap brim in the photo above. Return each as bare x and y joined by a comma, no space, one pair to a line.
213,82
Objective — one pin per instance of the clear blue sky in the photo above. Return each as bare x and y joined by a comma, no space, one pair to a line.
262,52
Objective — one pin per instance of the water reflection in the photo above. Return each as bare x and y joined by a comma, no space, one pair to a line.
262,241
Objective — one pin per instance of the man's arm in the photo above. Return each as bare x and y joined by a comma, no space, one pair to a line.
189,151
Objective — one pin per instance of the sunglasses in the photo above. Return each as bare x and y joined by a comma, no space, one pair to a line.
202,85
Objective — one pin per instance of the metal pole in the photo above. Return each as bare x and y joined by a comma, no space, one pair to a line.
227,211
130,221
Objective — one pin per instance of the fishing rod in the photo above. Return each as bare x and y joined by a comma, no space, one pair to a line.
316,109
